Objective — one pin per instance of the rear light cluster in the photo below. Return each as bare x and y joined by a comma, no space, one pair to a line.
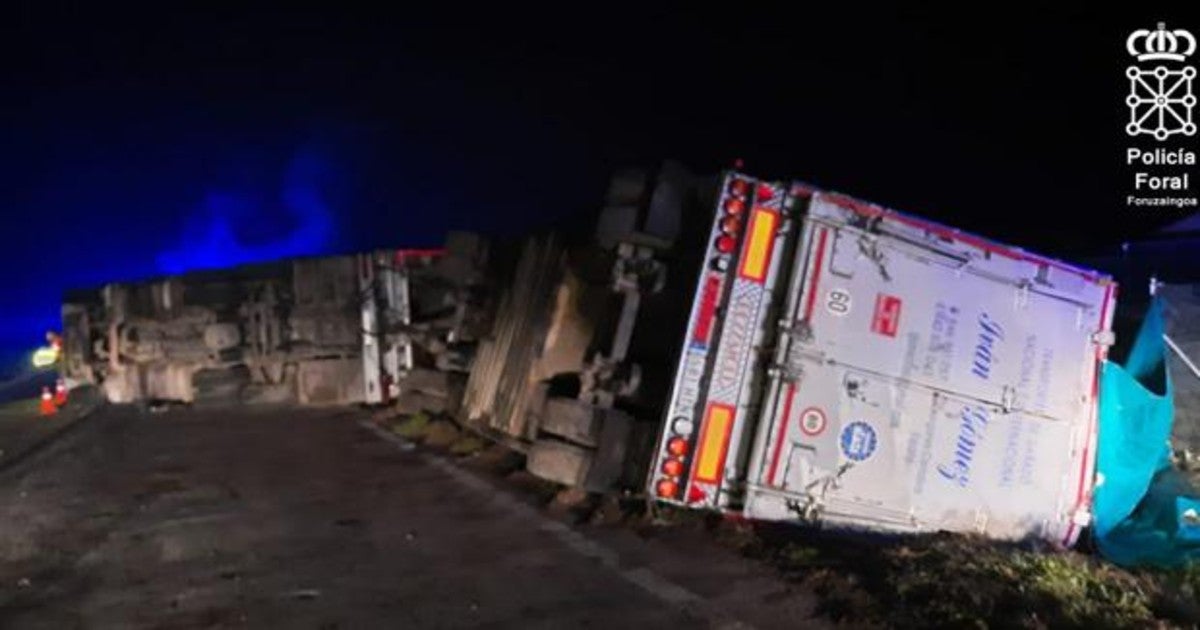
672,468
740,195
731,223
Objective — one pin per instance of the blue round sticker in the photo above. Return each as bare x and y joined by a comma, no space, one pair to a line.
858,441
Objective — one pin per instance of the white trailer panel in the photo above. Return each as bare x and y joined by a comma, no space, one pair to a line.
929,379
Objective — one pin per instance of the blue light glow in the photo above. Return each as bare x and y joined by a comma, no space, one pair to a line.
108,221
215,235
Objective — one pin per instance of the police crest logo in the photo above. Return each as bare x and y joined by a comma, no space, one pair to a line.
1160,97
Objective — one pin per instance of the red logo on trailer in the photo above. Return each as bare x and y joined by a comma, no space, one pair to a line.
887,315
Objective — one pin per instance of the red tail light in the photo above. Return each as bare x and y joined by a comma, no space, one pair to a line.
735,206
667,489
739,187
672,468
725,244
765,192
730,225
677,447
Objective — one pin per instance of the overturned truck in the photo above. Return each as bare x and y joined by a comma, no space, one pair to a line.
322,330
722,342
787,353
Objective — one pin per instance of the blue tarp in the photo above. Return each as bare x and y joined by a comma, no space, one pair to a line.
1146,513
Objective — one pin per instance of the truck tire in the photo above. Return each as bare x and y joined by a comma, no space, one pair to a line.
597,469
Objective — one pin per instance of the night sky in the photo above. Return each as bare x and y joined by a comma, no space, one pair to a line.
136,144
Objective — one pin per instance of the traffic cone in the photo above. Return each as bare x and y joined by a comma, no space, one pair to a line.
60,393
47,406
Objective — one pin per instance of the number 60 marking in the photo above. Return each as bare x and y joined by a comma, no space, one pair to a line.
838,302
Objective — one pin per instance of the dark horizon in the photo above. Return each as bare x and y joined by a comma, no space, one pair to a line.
152,143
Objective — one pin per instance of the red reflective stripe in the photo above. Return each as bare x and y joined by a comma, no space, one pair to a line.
708,308
1109,293
402,254
1087,444
783,427
816,276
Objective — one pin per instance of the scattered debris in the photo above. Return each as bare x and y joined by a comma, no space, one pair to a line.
468,444
543,491
441,434
383,415
305,594
497,459
412,427
573,503
609,511
158,485
422,402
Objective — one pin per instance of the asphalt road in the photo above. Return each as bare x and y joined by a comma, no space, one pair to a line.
285,518
23,430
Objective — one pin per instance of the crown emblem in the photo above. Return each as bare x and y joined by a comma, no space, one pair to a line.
1160,44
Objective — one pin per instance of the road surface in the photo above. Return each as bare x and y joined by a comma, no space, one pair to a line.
273,517
24,431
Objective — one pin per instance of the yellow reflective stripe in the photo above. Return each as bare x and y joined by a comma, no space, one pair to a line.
713,442
757,256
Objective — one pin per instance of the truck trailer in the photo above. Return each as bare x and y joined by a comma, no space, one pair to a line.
851,365
754,346
786,353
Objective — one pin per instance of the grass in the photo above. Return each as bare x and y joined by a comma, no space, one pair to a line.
467,445
412,427
955,581
441,434
968,582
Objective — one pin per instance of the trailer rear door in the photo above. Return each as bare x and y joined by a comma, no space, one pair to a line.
929,379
